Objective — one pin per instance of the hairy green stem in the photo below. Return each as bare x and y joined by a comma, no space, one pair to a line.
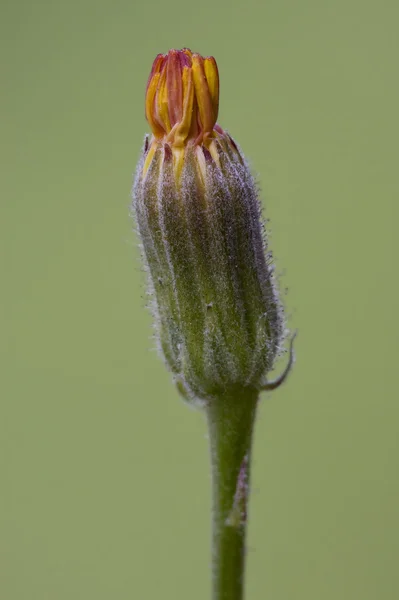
230,419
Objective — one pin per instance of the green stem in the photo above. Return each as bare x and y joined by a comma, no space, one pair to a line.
230,420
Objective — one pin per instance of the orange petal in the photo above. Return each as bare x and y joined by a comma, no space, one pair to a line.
175,87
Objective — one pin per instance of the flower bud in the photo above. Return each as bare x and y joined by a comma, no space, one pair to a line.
218,315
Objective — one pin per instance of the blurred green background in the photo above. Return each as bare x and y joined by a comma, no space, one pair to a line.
105,486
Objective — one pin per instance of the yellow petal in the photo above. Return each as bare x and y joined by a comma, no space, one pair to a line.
161,103
184,126
212,78
202,95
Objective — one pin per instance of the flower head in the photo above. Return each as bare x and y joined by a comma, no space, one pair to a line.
218,315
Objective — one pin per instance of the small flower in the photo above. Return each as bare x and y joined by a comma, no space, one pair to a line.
218,316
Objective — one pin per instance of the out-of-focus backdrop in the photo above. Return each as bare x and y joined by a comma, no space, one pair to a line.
105,487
